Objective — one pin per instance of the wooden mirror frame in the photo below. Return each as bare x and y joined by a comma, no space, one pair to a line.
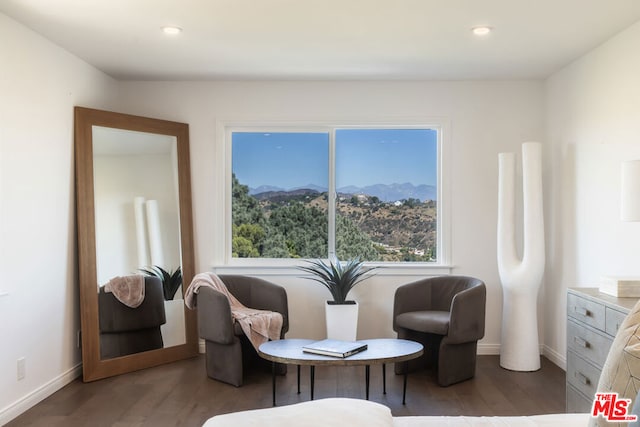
94,367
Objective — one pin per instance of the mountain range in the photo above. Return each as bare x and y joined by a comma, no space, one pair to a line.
385,192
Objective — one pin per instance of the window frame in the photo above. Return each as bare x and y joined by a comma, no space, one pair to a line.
284,266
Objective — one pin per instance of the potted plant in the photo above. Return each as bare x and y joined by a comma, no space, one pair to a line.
171,281
339,278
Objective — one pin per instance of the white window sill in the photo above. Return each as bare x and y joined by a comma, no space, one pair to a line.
289,269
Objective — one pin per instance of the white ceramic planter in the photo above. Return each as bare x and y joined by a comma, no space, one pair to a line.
173,332
342,321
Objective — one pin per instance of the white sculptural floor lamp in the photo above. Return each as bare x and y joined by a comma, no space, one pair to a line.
521,278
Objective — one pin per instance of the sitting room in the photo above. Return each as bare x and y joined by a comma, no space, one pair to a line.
170,167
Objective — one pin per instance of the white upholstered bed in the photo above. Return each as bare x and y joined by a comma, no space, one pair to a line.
355,412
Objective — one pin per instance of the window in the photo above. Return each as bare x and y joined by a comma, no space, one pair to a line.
279,194
347,191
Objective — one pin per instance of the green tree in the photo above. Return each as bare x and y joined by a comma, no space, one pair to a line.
246,240
411,202
352,242
303,229
243,248
248,232
275,246
245,209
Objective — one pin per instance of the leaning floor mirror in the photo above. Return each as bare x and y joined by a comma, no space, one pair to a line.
135,242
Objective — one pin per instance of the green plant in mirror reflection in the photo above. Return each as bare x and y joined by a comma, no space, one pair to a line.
171,281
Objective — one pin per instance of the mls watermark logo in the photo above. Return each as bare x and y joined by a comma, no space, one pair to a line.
612,408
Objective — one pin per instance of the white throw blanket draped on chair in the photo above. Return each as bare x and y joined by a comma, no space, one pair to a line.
259,326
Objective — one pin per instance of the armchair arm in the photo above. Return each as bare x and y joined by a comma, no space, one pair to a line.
467,319
269,296
214,316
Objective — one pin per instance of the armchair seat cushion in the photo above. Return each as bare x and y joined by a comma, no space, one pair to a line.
432,322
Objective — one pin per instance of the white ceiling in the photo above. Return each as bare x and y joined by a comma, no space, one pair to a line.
326,39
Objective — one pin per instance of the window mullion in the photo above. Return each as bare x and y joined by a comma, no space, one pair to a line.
331,195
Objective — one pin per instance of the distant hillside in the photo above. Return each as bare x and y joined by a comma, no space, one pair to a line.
409,226
264,189
385,192
293,223
395,226
394,192
284,196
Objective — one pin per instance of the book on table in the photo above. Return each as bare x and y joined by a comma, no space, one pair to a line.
335,348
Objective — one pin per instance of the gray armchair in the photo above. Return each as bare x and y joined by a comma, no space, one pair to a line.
125,330
227,348
447,315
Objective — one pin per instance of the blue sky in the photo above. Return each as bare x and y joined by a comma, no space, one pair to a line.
363,157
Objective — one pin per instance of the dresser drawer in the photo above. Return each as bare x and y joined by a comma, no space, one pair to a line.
576,402
587,343
613,320
586,311
582,375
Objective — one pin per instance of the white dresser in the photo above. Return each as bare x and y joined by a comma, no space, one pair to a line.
593,319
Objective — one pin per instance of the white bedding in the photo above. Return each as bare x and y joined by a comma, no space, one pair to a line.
356,412
322,412
551,420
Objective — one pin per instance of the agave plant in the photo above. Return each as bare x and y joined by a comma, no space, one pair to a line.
171,281
339,277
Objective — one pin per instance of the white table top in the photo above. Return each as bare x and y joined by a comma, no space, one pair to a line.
379,351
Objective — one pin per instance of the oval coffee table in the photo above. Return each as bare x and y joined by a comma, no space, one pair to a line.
379,352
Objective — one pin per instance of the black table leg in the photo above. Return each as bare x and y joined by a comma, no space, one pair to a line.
273,382
298,379
404,385
312,372
384,378
366,380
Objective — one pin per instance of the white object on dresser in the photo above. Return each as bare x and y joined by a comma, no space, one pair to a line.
624,287
593,319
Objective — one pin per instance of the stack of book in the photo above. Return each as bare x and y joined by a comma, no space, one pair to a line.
335,348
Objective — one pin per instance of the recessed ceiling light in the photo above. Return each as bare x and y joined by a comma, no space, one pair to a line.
481,31
171,30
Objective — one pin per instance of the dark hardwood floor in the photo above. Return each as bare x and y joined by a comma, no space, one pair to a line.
180,394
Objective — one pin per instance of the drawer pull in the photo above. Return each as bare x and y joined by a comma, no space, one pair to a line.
583,378
582,311
581,342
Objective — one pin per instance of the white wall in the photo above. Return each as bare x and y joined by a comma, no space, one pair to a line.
39,85
593,123
485,118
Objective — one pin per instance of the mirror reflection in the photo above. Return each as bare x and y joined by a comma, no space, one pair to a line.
137,232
